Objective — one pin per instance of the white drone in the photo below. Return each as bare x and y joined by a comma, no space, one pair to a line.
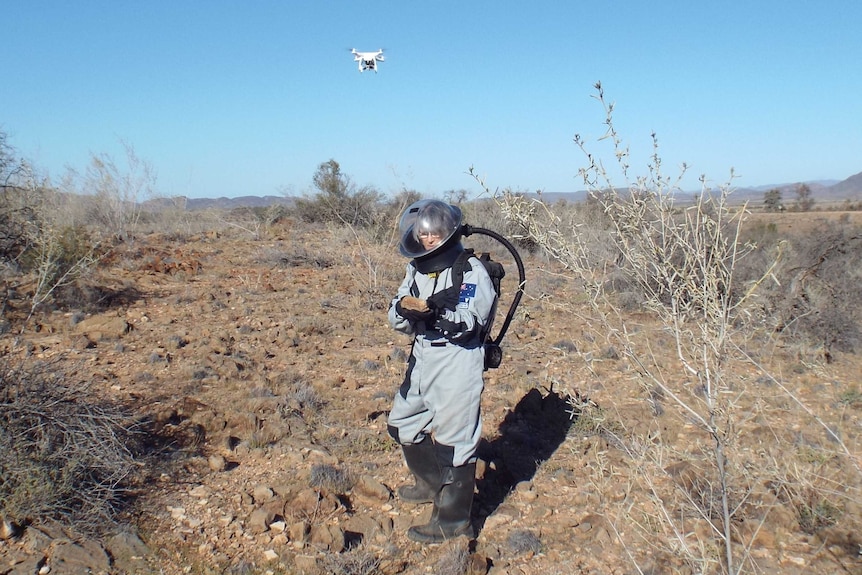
367,60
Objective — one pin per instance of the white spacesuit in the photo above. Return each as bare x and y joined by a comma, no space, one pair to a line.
436,414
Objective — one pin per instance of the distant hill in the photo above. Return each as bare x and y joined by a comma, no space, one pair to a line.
199,204
240,202
852,186
821,190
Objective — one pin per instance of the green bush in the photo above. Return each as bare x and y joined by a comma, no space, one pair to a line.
337,199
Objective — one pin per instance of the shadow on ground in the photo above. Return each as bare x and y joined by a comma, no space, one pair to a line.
527,437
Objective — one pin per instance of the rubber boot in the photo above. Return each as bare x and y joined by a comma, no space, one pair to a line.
451,515
422,462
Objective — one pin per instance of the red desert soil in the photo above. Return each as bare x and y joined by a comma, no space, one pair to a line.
270,366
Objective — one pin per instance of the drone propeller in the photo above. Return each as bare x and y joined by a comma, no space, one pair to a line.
355,51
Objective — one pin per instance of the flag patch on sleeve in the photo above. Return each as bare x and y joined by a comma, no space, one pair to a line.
468,292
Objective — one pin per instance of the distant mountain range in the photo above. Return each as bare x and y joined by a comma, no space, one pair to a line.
821,190
199,204
824,191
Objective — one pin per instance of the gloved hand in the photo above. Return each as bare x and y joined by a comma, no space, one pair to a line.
414,309
446,299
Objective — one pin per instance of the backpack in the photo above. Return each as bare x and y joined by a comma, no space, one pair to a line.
495,269
493,352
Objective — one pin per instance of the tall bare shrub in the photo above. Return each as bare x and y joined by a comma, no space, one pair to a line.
114,191
19,194
682,260
41,249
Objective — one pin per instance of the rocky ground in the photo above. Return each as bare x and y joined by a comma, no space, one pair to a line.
265,368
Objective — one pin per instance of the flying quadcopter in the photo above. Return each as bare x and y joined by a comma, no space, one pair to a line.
367,60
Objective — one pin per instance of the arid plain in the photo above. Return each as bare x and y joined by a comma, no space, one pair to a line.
261,366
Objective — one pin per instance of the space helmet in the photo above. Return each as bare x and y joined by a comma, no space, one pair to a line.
428,216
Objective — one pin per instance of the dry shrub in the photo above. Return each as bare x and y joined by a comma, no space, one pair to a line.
453,558
19,201
64,454
295,256
523,541
330,478
39,248
815,297
338,199
281,408
357,561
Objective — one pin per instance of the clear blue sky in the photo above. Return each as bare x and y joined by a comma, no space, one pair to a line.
230,98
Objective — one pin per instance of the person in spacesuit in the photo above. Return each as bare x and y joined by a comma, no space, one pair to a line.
435,415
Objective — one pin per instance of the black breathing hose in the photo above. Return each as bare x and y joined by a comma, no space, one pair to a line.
467,230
